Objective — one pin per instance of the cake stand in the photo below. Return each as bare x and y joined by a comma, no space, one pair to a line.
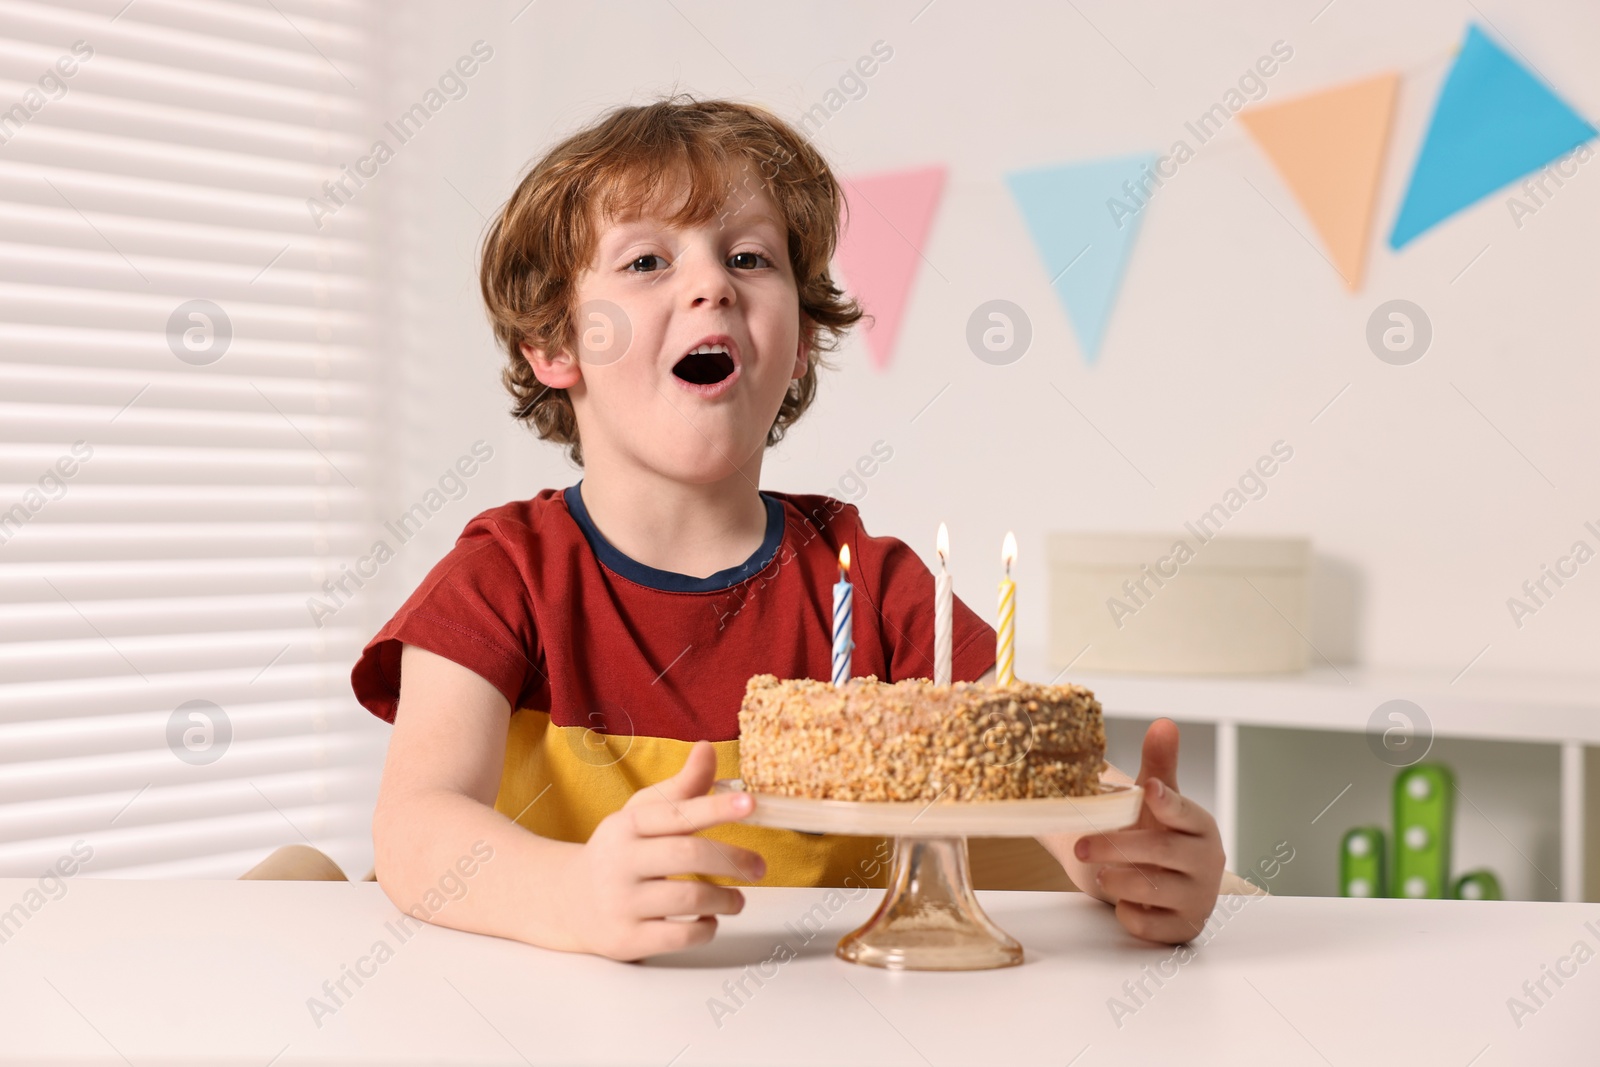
929,919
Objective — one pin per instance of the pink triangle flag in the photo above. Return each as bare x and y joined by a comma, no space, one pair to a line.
889,218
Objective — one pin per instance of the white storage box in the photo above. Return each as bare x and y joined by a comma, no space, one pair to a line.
1173,604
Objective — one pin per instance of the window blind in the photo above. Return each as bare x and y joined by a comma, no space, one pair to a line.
186,433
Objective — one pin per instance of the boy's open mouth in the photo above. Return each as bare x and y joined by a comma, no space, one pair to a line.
705,365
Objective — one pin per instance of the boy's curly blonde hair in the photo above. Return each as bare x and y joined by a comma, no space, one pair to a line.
632,160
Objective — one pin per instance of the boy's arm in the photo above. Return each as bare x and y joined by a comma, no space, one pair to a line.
610,896
436,800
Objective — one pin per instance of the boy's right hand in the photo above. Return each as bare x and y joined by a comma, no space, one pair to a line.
617,892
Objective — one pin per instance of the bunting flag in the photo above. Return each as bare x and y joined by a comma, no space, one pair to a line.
1083,218
1328,148
889,219
1494,122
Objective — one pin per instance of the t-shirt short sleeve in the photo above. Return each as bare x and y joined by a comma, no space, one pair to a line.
905,598
473,608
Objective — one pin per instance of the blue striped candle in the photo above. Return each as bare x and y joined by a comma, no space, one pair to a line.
841,621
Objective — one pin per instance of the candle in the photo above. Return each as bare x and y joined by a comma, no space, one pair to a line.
1006,639
943,612
841,620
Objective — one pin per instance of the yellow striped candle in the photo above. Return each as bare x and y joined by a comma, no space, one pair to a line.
1005,658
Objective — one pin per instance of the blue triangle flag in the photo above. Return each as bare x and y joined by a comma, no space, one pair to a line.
1494,122
1083,218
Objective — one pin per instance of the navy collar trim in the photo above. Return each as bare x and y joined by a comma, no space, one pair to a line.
671,581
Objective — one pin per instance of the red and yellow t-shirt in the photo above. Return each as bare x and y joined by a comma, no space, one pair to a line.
613,669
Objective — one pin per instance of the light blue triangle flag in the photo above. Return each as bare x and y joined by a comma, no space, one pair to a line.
1494,122
1083,221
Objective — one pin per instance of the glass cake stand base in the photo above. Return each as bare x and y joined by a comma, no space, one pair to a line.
930,919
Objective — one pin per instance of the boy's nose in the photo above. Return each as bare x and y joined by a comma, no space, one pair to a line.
708,285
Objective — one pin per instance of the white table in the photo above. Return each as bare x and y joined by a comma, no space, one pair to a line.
150,972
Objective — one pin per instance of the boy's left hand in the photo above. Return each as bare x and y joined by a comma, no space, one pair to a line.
1162,872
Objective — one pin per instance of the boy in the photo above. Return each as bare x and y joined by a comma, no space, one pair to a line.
565,683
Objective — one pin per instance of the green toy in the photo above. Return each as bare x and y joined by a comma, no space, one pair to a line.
1477,885
1424,815
1424,810
1361,863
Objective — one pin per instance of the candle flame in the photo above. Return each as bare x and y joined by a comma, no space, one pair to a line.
844,558
1008,552
944,543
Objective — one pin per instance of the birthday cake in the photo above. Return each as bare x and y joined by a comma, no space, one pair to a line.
916,741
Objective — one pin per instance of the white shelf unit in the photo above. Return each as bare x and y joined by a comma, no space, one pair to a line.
1523,748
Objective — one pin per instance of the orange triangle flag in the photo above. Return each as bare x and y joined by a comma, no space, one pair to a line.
1328,147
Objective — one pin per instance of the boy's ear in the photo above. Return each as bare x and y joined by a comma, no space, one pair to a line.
802,355
557,371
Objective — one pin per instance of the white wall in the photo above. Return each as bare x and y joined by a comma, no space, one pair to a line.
1231,331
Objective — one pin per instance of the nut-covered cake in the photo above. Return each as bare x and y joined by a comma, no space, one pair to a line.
913,740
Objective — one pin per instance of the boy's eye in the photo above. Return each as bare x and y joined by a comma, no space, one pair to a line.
645,264
748,260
